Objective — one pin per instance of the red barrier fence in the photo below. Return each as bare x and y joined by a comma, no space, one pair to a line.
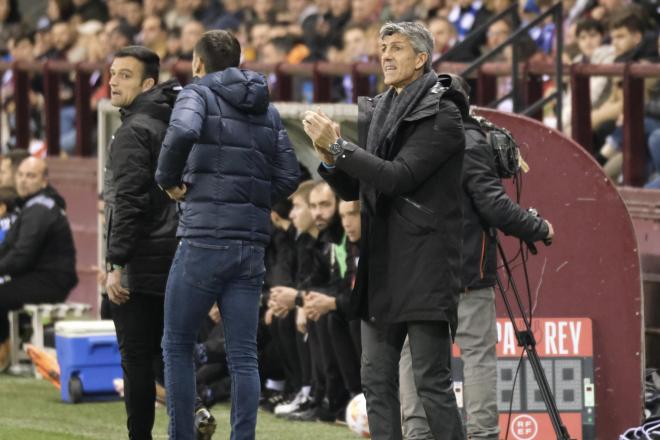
51,73
321,75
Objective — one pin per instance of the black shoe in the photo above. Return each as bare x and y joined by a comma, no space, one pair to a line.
308,415
269,402
325,414
204,424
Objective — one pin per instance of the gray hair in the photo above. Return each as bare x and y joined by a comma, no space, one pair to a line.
419,36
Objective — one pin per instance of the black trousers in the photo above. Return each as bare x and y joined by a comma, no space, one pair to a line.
430,348
31,288
139,325
314,344
331,374
284,335
345,340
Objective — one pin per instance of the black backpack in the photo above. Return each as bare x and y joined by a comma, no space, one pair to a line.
507,154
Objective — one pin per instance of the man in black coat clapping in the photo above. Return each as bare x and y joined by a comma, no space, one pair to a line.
407,175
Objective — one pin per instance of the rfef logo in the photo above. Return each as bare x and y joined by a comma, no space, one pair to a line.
524,427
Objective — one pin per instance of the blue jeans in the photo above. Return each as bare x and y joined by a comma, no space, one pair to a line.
205,271
68,129
654,151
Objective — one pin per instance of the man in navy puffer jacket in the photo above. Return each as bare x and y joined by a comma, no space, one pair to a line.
226,158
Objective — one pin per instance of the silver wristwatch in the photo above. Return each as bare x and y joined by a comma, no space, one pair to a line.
337,147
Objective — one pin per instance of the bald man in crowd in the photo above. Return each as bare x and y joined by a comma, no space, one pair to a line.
37,258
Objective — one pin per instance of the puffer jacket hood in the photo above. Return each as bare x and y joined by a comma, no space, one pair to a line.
156,102
243,89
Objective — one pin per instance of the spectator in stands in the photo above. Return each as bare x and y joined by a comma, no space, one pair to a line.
207,11
229,18
91,47
497,33
37,257
303,18
590,35
355,44
9,164
140,227
264,12
180,14
42,39
10,21
63,38
543,34
121,36
402,10
498,6
21,48
114,9
91,10
428,9
132,12
156,7
627,33
210,172
652,130
60,10
154,35
605,8
468,16
444,35
259,37
8,214
366,12
174,45
285,49
191,32
337,19
275,51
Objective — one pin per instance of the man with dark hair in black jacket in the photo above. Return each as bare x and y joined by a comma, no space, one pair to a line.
141,227
486,208
37,258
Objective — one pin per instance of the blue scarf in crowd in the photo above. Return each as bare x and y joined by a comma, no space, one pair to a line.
463,18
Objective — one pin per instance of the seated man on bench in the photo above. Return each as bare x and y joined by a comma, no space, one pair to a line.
37,258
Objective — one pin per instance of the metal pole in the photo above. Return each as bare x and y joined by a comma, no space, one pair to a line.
559,64
514,78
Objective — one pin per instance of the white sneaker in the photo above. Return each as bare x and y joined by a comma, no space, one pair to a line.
292,405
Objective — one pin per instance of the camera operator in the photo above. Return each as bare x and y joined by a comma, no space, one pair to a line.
486,208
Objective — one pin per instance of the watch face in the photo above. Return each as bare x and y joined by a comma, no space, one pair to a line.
336,148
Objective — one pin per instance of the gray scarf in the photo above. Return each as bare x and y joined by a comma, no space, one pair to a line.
391,110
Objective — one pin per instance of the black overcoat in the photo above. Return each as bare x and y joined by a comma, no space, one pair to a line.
410,251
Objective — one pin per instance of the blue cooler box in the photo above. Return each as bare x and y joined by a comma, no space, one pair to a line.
89,359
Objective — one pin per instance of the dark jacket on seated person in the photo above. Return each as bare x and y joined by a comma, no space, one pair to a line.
41,241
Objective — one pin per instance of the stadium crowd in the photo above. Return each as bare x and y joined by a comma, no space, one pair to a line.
297,31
